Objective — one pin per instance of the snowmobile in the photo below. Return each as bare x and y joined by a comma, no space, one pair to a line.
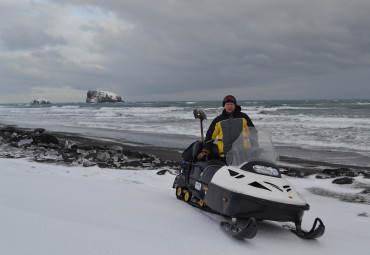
245,187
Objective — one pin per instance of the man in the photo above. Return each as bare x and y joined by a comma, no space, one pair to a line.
226,127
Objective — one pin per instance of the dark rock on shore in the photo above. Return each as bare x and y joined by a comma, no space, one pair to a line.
294,173
44,138
343,180
342,172
364,214
360,198
71,149
44,147
345,176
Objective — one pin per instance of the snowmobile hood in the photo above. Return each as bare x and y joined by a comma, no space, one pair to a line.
257,185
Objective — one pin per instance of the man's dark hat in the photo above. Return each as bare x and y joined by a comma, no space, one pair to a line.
227,99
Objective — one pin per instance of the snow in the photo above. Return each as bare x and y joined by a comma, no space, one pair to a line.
50,209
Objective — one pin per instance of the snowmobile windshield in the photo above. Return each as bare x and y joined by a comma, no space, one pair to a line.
255,145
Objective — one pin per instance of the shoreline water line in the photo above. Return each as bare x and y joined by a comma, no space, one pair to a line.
286,160
333,131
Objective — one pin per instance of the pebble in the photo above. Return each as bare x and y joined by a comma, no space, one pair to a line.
43,147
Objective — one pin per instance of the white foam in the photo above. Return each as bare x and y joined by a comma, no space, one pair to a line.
292,127
69,107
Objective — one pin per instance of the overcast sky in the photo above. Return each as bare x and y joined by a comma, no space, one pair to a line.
184,49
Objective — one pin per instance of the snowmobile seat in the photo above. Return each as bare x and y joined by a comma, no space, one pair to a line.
190,153
197,169
211,168
204,170
196,149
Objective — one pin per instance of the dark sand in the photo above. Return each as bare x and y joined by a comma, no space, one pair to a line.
174,154
164,153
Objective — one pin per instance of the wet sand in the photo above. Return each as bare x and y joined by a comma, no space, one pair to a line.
174,154
165,153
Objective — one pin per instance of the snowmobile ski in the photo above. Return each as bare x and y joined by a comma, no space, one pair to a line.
314,233
247,232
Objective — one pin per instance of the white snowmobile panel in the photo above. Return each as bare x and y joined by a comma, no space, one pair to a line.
260,186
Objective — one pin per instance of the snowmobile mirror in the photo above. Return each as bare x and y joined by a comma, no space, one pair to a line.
199,114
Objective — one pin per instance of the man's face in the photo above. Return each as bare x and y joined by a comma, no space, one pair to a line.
229,107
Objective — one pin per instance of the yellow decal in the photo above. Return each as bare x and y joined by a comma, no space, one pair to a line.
201,202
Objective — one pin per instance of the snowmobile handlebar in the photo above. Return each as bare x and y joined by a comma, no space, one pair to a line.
199,114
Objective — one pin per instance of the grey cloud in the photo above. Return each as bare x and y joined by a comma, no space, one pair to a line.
284,37
25,37
169,47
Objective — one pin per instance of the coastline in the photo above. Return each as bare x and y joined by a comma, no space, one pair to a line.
164,153
75,150
168,156
72,149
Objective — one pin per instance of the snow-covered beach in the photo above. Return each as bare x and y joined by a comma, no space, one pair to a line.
99,127
51,209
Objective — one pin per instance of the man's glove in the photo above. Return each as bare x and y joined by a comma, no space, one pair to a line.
203,155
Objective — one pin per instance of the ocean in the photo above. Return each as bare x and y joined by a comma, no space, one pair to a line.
334,131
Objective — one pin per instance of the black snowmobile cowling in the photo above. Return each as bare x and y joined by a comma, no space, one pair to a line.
247,187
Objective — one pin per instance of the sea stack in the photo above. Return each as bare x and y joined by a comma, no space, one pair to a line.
40,101
96,96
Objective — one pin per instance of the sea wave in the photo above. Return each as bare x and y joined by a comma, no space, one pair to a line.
321,124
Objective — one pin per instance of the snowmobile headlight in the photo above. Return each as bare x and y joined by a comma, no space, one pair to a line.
266,170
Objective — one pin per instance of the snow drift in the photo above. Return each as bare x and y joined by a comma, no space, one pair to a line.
49,209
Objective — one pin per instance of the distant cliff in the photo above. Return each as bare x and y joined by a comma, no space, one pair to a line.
95,96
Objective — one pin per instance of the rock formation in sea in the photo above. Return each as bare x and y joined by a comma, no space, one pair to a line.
40,101
96,96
